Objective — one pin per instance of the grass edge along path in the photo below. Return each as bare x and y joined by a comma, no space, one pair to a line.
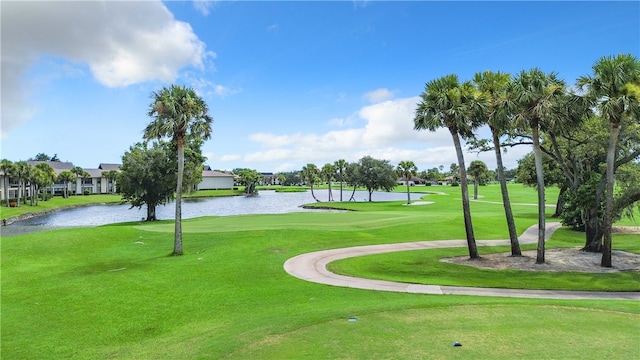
313,267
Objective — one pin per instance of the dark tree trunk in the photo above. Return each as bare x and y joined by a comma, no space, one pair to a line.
608,210
466,208
314,195
408,194
151,212
560,202
541,200
353,194
506,203
177,244
475,189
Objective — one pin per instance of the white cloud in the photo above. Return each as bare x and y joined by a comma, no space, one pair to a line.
121,42
378,95
203,6
387,134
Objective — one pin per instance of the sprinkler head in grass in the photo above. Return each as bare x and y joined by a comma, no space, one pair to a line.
455,344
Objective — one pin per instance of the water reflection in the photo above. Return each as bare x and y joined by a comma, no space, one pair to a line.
267,202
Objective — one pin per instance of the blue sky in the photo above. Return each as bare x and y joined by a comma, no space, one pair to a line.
287,83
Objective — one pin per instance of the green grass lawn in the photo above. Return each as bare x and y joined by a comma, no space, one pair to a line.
112,292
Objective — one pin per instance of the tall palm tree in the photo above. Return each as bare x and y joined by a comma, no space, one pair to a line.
178,112
310,173
8,170
478,170
407,170
340,166
448,103
22,172
493,85
536,96
611,89
328,172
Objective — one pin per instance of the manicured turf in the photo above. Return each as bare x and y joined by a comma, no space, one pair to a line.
113,292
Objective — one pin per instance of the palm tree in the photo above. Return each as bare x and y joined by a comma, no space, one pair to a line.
328,172
340,166
448,103
611,89
310,174
407,170
65,178
111,175
47,177
478,170
178,112
536,95
8,170
493,85
22,172
79,173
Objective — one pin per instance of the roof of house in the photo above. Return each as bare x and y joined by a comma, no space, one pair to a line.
95,173
56,165
213,173
104,166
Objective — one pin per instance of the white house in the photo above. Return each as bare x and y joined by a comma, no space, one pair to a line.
97,183
215,180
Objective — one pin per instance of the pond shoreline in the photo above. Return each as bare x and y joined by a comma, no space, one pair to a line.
31,215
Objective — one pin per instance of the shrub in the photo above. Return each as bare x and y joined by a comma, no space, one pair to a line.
86,192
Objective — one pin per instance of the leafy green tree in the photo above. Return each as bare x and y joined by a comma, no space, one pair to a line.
328,172
375,174
281,178
340,166
147,177
479,171
249,178
178,112
608,88
535,99
311,174
446,103
290,178
65,177
496,115
42,157
406,170
8,169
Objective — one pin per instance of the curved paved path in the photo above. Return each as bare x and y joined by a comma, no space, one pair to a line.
313,267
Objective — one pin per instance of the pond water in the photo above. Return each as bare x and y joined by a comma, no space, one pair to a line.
267,202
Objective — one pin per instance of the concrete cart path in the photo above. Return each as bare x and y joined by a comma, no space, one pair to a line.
313,267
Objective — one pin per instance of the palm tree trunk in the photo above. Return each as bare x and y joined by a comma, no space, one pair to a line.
177,243
466,209
18,200
506,203
408,194
6,190
314,195
541,202
475,188
608,209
